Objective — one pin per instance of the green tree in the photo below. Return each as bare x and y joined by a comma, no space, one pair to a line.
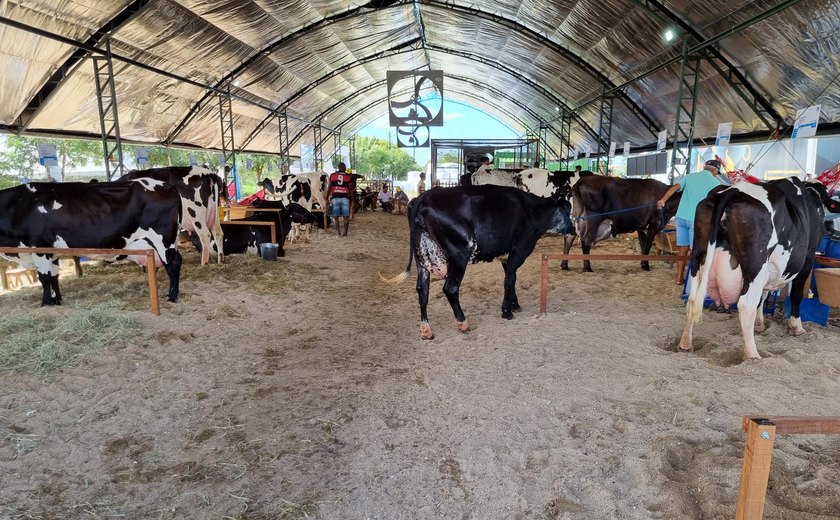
20,154
449,157
376,157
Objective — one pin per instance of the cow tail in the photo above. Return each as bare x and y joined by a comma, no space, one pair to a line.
400,278
703,259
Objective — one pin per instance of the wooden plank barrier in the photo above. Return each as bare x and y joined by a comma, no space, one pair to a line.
758,453
272,225
81,251
610,257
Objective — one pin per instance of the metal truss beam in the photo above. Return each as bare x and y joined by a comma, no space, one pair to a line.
318,143
566,137
605,118
109,121
228,143
60,75
523,30
351,144
757,101
130,61
704,43
283,136
686,109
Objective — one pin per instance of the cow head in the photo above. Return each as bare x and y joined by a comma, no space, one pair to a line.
562,224
831,205
267,185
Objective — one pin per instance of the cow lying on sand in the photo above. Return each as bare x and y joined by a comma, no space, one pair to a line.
449,228
140,214
750,239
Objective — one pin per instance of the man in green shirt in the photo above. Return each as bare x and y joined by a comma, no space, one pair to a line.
694,187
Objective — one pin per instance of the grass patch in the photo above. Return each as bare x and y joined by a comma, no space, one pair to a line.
35,342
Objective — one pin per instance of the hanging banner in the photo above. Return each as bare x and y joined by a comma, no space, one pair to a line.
270,166
723,134
626,148
141,155
47,155
662,141
612,149
249,164
415,98
193,160
586,150
806,122
344,152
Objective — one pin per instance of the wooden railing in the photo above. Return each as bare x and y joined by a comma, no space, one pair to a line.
758,453
81,251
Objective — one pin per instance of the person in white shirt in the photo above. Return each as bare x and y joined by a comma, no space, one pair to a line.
385,199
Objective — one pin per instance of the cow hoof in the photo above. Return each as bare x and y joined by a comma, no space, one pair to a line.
426,332
758,329
686,348
646,268
796,331
508,315
587,270
564,267
463,326
517,307
751,357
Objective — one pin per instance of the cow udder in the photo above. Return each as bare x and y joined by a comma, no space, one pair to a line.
725,283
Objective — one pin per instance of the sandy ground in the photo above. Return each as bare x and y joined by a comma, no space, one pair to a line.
306,392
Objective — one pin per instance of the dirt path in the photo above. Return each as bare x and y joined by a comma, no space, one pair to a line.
309,394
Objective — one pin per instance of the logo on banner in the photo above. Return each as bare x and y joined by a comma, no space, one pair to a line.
612,149
417,90
806,122
662,141
723,134
626,148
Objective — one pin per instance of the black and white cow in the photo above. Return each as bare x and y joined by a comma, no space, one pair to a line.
200,190
309,190
750,239
557,184
449,228
607,206
138,214
239,239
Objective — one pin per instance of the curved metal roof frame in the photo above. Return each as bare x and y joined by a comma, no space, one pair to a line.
377,84
400,49
738,79
637,110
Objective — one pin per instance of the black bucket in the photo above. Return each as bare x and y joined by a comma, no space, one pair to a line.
268,251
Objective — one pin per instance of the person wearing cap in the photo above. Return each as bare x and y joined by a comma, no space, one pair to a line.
694,187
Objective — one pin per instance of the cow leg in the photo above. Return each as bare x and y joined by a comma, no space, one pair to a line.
54,284
204,237
451,287
645,243
747,306
77,264
46,285
514,301
173,271
306,228
759,316
423,297
219,237
586,247
797,292
568,242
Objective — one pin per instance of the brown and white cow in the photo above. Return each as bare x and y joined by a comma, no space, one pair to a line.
200,190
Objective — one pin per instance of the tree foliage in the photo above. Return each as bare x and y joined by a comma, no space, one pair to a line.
20,154
378,158
449,157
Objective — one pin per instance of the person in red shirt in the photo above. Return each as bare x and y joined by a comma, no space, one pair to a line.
341,187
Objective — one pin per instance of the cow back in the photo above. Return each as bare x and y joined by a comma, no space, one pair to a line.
629,203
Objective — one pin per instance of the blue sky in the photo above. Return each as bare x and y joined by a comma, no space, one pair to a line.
460,121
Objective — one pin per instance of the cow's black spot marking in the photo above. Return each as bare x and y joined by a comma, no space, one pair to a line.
530,175
192,212
198,225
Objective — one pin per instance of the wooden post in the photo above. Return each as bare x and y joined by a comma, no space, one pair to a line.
151,268
758,452
544,284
